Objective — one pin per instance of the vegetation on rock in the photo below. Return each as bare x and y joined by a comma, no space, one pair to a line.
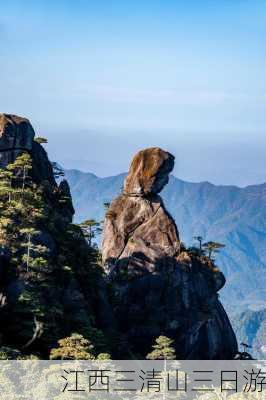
50,277
162,349
52,282
75,347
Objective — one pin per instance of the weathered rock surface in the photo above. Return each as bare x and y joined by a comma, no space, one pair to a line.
16,134
156,288
138,230
54,297
149,172
159,288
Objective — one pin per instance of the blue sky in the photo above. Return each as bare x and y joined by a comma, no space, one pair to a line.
103,79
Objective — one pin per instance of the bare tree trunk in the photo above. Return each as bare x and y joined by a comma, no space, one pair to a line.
9,193
28,251
2,300
23,179
36,334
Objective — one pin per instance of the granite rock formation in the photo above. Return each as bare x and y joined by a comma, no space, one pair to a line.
43,303
159,286
16,135
153,285
138,230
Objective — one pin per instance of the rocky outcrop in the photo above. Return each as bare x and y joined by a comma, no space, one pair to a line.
159,287
154,285
47,300
149,172
42,169
16,137
138,231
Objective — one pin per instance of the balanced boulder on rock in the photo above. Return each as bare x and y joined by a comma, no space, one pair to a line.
159,286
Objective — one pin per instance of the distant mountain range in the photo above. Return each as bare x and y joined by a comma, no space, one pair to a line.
250,328
227,214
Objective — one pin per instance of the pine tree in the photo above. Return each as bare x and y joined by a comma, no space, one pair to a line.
21,211
90,229
6,184
106,205
212,247
162,349
199,239
29,215
32,248
75,347
40,140
20,168
103,356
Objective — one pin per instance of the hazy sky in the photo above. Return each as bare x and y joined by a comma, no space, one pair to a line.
102,79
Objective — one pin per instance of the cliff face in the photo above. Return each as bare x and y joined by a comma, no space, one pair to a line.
51,283
16,137
159,287
49,278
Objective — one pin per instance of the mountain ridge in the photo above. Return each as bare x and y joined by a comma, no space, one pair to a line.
230,214
89,173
